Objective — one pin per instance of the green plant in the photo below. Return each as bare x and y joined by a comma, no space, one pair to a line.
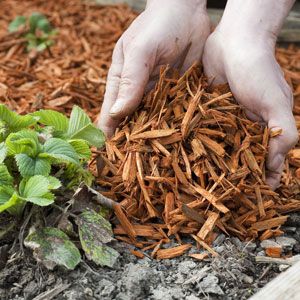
38,151
38,31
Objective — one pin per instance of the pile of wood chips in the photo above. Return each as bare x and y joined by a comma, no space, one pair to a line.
187,162
74,69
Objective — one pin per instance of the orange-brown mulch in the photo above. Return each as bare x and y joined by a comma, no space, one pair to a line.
187,162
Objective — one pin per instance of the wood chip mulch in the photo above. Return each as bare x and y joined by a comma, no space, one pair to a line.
187,162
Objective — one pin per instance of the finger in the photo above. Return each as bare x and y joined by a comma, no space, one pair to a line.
105,121
281,144
253,117
138,63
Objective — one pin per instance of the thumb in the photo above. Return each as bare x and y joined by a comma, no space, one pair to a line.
138,63
280,144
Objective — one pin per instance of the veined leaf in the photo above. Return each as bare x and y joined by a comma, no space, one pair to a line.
91,134
16,23
35,186
14,121
5,177
14,200
45,200
24,141
53,118
95,232
54,183
5,193
59,150
81,127
3,152
36,189
52,247
29,166
78,120
38,21
82,148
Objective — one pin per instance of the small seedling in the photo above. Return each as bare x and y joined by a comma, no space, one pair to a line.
41,150
38,31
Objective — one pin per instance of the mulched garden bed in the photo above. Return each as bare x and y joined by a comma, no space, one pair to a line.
73,71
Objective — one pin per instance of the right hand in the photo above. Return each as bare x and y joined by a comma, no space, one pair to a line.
160,35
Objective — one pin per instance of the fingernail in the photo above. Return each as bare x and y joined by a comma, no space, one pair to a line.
116,108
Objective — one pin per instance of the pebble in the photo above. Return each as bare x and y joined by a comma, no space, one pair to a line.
219,240
287,243
209,285
247,279
269,244
250,246
219,249
283,267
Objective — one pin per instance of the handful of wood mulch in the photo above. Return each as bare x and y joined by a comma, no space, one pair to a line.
188,161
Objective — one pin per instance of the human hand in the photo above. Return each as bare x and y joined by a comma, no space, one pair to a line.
160,35
243,56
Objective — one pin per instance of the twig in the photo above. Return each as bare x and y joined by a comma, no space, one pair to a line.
281,261
52,293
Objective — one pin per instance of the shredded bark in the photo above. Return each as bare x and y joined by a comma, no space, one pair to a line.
200,167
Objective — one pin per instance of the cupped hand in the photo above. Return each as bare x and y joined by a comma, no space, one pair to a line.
161,35
247,63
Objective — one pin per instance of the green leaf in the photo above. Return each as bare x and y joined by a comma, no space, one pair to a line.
34,21
13,201
60,151
78,120
36,189
54,183
53,118
94,233
14,121
81,127
5,177
35,186
44,200
5,193
82,148
3,152
16,23
52,247
29,166
91,134
44,25
24,141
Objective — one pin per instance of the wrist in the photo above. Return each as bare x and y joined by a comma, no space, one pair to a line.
256,20
193,4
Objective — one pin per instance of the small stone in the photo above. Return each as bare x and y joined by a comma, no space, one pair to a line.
186,266
219,249
250,246
88,291
261,253
269,244
287,243
237,243
247,279
209,285
219,240
289,229
283,267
